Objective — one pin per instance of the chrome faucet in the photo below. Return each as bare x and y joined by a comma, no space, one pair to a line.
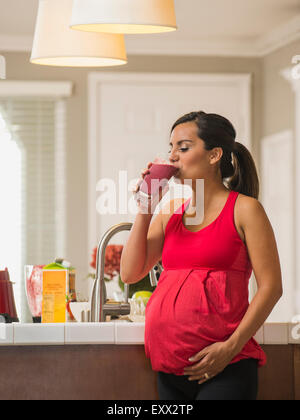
99,306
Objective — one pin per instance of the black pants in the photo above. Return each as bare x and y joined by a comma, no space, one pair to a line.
238,381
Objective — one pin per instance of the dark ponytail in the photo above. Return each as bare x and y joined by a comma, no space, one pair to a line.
238,170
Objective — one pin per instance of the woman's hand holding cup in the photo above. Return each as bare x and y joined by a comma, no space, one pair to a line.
147,204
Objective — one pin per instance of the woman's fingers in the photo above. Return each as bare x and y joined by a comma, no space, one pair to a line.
143,174
145,171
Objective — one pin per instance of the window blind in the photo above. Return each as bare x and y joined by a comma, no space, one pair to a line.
37,127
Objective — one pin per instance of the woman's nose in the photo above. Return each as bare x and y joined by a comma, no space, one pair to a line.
172,157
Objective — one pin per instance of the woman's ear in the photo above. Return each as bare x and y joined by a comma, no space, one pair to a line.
216,155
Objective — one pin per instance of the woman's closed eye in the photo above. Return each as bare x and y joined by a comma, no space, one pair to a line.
182,149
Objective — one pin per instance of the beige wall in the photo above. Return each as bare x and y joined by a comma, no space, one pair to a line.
278,98
268,115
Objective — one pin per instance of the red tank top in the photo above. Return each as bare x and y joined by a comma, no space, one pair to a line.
202,293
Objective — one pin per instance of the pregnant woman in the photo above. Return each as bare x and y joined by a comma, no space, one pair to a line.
199,324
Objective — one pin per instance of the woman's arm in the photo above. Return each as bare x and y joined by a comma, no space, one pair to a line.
135,250
144,246
263,254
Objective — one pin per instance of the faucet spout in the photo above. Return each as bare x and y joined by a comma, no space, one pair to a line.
99,307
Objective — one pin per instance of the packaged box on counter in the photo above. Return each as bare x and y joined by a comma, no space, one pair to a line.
57,293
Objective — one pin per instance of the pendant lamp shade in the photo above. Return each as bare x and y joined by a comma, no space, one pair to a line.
55,44
124,16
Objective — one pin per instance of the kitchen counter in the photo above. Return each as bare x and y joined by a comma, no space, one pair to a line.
117,332
106,361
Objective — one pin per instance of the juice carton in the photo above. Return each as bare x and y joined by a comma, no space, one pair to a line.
55,293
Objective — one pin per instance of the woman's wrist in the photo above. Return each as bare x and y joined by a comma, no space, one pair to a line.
147,215
234,345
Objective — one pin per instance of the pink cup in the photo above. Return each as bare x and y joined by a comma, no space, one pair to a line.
158,177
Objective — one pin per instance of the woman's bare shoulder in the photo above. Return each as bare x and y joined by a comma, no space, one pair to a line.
244,201
247,208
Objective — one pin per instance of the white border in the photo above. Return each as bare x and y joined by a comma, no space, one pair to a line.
95,79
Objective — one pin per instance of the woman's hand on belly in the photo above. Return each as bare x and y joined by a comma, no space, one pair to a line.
209,361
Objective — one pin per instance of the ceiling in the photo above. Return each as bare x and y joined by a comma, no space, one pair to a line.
205,27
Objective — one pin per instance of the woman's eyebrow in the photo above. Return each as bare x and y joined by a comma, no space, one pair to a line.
181,141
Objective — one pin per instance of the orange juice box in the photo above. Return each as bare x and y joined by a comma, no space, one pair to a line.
55,293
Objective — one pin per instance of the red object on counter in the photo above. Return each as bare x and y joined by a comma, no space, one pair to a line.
112,260
7,301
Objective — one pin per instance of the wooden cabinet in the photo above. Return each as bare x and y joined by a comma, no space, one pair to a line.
117,372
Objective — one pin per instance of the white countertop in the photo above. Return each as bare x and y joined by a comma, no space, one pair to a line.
117,332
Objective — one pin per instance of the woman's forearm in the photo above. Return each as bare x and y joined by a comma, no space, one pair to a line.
258,311
135,250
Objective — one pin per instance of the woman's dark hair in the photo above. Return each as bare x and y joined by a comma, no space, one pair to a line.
237,165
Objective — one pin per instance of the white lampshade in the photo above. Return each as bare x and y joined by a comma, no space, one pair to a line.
124,16
55,44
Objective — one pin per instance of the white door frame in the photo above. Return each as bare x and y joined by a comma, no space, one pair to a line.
96,79
292,76
273,148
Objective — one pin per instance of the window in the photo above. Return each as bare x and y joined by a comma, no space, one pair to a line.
11,207
32,186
